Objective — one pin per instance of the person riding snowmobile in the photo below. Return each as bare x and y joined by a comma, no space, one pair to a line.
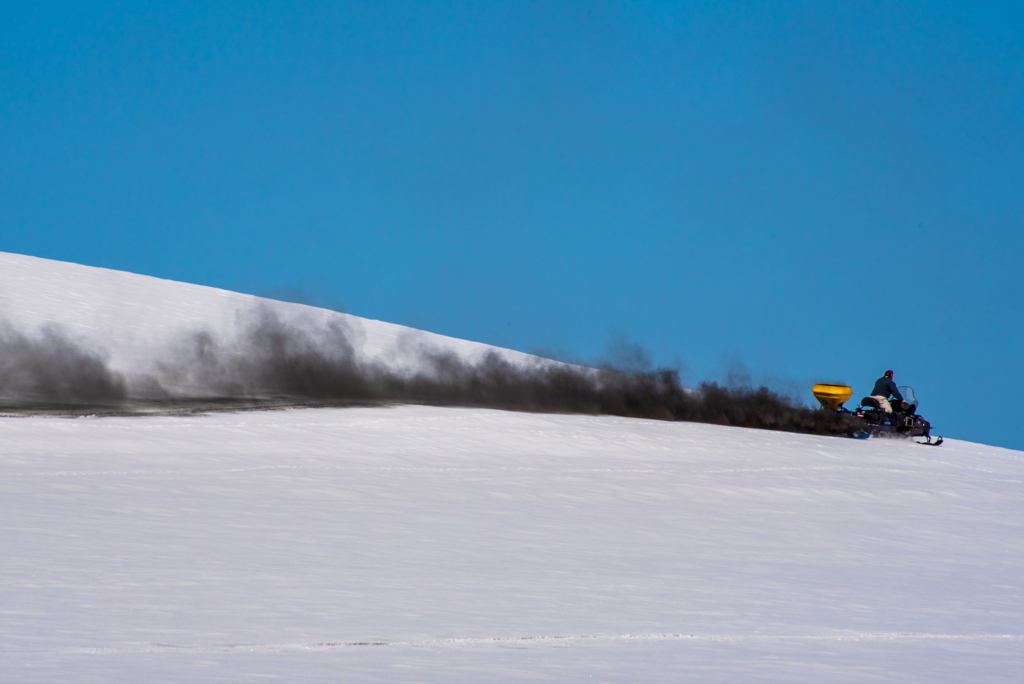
885,388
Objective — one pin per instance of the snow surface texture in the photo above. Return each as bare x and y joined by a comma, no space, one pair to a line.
421,544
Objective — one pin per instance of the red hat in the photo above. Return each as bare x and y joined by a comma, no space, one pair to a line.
888,374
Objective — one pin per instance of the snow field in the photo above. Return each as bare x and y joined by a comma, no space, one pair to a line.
419,544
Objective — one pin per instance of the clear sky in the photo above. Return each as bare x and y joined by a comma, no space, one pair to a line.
807,190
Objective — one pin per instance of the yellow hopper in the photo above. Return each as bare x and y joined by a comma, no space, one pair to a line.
832,396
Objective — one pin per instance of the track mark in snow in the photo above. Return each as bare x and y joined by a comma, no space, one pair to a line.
672,472
550,640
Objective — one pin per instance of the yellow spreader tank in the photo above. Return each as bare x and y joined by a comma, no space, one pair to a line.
832,396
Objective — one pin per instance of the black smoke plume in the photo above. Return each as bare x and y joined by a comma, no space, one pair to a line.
50,370
276,364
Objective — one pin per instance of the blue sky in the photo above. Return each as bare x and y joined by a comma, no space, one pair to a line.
805,190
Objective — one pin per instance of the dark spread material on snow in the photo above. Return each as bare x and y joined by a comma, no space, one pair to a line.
51,369
277,365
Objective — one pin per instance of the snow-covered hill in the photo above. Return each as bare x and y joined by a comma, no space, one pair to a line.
137,322
422,544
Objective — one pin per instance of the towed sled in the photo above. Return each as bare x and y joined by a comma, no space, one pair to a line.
904,420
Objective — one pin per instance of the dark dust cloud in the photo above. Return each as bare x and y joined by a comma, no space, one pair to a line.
50,370
276,364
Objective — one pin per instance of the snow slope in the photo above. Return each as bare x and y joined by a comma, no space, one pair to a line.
419,544
137,320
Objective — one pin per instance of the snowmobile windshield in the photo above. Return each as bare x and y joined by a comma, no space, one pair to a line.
908,395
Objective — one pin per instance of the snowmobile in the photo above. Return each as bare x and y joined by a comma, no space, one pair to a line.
904,420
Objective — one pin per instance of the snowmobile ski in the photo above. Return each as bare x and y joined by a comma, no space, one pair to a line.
937,442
